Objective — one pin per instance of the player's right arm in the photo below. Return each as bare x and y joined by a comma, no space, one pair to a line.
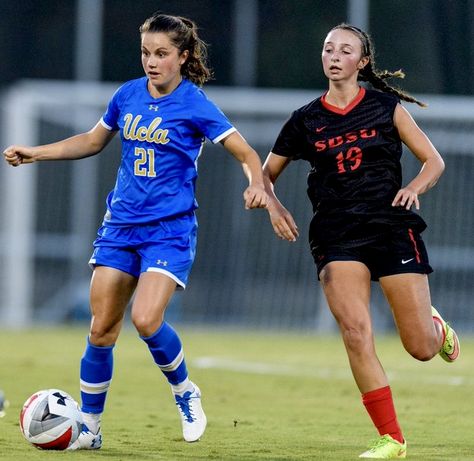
283,223
76,147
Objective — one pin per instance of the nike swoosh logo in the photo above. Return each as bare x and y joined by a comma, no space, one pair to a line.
321,128
404,261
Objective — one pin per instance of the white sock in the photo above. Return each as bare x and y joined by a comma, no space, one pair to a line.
181,388
92,421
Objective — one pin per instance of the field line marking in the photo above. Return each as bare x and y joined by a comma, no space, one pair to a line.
265,368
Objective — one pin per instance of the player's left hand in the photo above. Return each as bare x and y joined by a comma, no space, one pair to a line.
406,198
255,197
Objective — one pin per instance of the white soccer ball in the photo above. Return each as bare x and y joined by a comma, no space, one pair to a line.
51,419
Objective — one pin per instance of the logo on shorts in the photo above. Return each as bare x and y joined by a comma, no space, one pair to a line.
162,263
405,261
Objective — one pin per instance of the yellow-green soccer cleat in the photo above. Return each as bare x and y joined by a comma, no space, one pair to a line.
450,349
386,447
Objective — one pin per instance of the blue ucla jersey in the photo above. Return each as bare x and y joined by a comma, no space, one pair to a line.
161,142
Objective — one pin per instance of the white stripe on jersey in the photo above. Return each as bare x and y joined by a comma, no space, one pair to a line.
223,135
107,127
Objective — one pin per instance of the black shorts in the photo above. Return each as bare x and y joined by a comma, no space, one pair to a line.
401,251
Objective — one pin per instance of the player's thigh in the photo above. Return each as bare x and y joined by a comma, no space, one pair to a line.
409,298
110,293
346,285
153,293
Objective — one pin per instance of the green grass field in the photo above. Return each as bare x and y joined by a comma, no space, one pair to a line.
267,397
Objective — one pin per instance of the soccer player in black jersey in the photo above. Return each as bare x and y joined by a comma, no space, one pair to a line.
363,228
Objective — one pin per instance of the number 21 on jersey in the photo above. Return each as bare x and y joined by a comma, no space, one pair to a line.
144,164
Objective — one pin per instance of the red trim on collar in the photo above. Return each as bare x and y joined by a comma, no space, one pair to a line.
348,108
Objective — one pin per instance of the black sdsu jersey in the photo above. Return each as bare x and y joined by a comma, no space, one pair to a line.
354,155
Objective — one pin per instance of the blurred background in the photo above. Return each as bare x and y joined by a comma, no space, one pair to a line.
63,59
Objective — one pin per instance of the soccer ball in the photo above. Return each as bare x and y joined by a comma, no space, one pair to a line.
51,419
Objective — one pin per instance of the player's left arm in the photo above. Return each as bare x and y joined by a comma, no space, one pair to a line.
254,195
420,145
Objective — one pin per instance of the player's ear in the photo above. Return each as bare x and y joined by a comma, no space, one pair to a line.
183,57
363,62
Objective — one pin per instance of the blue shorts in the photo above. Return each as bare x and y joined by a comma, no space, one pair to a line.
167,246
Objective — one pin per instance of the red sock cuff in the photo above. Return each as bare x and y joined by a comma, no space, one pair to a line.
376,394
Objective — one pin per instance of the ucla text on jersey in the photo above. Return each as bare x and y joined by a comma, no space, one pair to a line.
161,142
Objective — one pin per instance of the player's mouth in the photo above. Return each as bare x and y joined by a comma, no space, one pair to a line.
334,68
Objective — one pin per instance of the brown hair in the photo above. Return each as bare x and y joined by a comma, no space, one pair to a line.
183,35
370,73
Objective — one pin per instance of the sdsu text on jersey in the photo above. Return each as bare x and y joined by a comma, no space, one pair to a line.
355,166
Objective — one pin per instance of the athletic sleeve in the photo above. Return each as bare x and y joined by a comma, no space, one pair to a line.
289,142
210,120
110,118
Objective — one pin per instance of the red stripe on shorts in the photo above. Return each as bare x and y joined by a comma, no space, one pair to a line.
412,238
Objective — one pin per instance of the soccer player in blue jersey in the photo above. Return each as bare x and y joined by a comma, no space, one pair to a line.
363,227
146,244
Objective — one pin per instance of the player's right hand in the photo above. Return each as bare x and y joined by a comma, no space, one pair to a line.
17,155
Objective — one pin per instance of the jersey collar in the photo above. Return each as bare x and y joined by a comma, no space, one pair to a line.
348,108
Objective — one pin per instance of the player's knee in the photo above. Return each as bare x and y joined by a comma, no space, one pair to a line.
139,322
422,355
357,336
145,324
102,338
103,333
420,351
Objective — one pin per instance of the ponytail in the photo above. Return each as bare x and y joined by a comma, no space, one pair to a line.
371,74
